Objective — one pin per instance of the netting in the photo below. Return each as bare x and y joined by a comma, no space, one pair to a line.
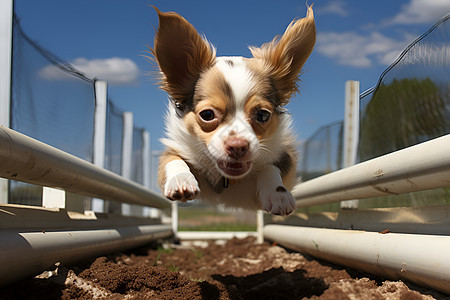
114,133
137,167
411,103
322,153
55,104
51,103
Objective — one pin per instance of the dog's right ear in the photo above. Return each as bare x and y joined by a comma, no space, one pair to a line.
182,54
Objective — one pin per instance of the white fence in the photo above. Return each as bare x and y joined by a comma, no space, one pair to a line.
32,238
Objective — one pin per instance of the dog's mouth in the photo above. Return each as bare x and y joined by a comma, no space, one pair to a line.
234,169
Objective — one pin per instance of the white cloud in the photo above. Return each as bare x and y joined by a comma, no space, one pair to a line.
357,50
353,49
333,7
421,11
115,70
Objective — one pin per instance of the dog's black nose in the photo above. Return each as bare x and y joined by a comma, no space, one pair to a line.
236,147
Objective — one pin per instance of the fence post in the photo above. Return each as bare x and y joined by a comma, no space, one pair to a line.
53,198
147,172
101,102
351,131
127,152
260,226
174,218
6,28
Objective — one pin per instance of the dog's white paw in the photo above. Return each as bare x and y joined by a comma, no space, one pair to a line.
277,200
181,187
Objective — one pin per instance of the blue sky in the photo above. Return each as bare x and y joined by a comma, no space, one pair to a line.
106,39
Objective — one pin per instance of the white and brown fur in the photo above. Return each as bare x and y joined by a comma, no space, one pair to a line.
229,139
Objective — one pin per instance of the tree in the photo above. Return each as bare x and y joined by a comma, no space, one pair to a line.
401,114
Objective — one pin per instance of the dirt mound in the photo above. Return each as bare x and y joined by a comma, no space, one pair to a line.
237,269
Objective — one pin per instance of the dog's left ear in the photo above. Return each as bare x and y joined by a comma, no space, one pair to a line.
182,54
285,56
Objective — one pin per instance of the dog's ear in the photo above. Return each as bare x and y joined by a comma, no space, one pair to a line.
286,55
182,54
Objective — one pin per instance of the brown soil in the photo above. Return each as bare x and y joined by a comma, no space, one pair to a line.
237,269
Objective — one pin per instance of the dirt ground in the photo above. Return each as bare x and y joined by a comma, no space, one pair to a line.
236,269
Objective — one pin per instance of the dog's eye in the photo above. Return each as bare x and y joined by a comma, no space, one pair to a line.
207,115
262,115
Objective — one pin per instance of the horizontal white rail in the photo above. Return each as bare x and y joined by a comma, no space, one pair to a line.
25,159
28,253
424,259
420,167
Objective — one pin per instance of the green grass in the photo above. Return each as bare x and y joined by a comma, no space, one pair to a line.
194,213
173,268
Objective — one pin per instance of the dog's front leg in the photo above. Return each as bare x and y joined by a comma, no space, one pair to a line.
274,196
176,179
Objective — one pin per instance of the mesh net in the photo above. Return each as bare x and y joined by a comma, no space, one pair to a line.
154,158
137,167
114,133
322,153
411,103
51,103
54,103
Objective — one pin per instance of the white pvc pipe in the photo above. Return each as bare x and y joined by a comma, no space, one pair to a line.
423,259
6,28
25,254
26,159
420,167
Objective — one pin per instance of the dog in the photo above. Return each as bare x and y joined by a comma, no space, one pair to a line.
228,135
